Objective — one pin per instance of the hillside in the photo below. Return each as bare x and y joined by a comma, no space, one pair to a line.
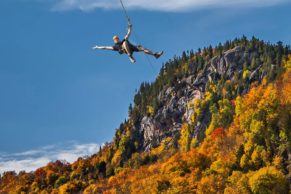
214,121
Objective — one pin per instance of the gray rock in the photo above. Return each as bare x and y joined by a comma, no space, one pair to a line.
150,133
174,111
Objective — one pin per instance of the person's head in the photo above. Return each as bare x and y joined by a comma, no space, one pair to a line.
115,39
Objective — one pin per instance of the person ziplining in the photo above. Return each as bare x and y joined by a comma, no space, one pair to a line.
125,46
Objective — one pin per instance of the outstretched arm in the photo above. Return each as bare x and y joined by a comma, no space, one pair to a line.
128,31
110,48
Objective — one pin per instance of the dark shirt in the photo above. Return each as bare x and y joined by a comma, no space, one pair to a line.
118,47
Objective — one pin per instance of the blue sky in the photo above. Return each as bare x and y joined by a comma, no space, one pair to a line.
55,89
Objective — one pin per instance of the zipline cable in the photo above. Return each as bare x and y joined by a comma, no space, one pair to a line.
125,12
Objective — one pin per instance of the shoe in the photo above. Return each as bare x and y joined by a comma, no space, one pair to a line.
132,59
157,55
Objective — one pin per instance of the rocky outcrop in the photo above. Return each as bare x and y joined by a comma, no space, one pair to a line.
174,100
151,133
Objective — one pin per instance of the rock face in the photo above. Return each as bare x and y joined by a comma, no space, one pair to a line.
174,110
151,132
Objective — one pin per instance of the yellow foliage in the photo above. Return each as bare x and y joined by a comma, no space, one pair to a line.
256,157
185,138
268,180
285,86
117,157
238,106
91,189
159,150
244,161
197,110
246,74
237,184
71,187
212,184
278,162
209,95
221,167
194,143
150,110
287,64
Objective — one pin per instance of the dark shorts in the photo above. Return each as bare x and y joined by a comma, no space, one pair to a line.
134,48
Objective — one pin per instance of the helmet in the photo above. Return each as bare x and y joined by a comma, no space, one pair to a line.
115,37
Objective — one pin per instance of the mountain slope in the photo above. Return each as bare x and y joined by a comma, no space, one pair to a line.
250,156
197,128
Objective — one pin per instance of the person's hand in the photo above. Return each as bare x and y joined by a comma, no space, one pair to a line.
95,47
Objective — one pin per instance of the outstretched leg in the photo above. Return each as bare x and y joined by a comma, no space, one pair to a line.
149,52
128,51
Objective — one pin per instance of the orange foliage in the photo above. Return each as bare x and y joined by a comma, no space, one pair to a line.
218,133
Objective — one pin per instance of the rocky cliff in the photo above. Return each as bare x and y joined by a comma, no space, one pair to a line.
174,100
